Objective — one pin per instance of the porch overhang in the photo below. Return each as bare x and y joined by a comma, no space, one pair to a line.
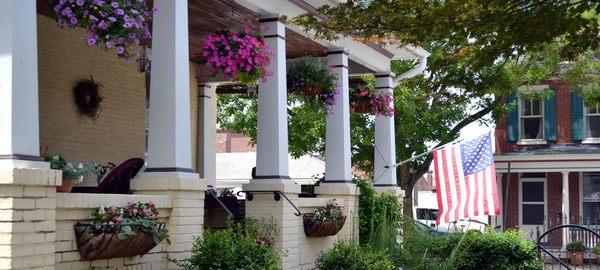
547,163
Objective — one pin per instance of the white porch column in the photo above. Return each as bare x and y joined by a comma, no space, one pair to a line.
499,218
272,133
338,166
565,206
207,126
169,135
385,140
19,112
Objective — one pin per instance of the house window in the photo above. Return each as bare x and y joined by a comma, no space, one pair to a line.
591,198
592,121
533,208
531,118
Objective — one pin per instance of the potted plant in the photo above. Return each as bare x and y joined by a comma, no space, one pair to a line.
242,57
365,101
325,221
102,170
71,175
575,250
312,77
118,24
120,231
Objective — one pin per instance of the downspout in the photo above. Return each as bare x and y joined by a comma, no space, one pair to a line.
414,71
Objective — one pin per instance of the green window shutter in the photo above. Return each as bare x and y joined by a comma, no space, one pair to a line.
550,117
512,119
577,117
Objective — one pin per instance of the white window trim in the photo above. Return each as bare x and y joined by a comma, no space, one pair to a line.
521,180
522,141
588,140
581,220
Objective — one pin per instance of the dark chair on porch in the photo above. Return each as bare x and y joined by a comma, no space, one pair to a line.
117,181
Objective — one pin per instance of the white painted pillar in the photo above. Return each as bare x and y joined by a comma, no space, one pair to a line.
385,140
169,135
207,126
338,166
272,133
499,218
19,107
565,206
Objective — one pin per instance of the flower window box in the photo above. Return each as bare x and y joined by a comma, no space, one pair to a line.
325,221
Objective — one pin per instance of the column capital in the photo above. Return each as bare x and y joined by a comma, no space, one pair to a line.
565,174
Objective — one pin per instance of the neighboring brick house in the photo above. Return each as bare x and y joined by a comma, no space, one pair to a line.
551,149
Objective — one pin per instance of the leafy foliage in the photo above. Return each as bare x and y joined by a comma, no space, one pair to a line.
332,211
235,248
351,256
313,74
70,172
379,216
576,246
472,250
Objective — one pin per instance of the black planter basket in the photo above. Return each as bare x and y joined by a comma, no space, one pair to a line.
318,228
108,245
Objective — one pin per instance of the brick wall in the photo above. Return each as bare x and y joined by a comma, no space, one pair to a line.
563,120
229,142
119,132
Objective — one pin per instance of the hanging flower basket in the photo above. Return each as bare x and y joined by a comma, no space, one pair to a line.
118,24
109,245
120,232
325,221
312,78
364,101
320,228
241,57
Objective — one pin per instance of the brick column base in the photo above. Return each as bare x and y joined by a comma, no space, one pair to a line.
27,218
347,194
186,220
263,205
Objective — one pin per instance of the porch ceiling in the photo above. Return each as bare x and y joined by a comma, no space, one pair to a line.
207,16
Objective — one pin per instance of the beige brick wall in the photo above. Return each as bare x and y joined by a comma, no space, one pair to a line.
119,132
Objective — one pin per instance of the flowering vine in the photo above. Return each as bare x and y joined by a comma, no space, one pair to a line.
241,57
118,24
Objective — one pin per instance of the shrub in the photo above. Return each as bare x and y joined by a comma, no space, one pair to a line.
237,247
379,216
472,250
351,256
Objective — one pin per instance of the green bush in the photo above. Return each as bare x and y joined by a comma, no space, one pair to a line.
351,256
236,247
379,216
473,250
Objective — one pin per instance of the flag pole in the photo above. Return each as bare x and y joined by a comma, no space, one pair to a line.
508,179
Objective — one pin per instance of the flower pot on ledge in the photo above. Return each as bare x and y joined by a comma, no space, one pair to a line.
576,257
320,228
66,186
108,245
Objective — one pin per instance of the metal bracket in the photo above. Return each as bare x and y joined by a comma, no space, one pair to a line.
276,196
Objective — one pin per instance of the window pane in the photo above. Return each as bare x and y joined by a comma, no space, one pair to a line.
536,105
525,106
591,198
532,128
593,126
533,191
533,214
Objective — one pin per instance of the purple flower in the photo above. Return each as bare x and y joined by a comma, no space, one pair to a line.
132,35
112,19
73,20
119,11
91,41
80,2
103,25
120,50
155,10
114,4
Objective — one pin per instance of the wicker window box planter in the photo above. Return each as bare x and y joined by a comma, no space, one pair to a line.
108,245
318,228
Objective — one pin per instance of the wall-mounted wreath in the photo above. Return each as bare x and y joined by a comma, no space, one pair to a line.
88,98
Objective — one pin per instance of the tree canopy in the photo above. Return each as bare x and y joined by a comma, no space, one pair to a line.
480,51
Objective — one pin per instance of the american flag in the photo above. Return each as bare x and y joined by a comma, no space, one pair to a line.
465,177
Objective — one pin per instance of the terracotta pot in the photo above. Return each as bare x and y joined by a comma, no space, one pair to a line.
576,257
67,185
362,108
312,90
